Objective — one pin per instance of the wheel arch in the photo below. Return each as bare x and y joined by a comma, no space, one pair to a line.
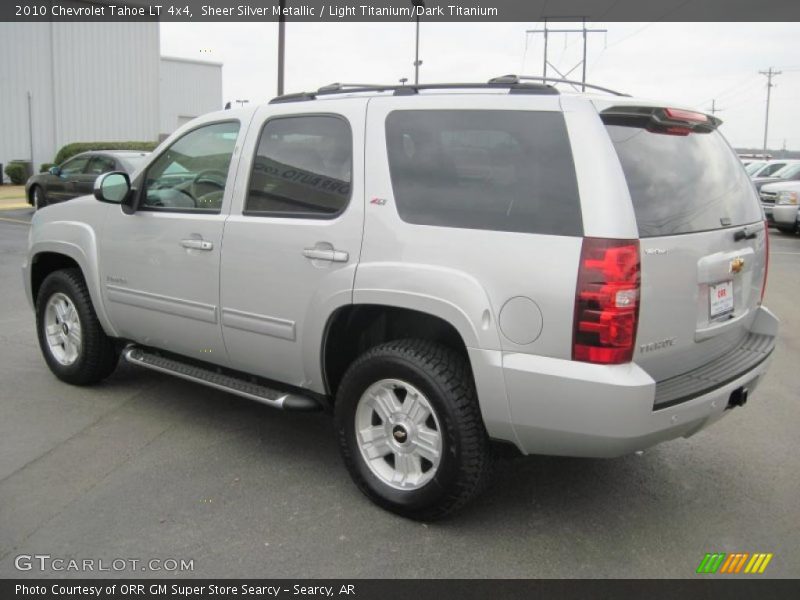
354,328
47,257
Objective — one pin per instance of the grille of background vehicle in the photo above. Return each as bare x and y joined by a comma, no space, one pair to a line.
768,197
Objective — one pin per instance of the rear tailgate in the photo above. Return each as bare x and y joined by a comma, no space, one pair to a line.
702,239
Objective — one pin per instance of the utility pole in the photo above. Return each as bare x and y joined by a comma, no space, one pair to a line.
417,4
769,74
281,45
546,31
714,110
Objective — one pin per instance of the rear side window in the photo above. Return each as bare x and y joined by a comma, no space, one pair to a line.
484,169
683,183
302,168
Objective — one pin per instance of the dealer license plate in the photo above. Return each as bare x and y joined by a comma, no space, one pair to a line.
721,297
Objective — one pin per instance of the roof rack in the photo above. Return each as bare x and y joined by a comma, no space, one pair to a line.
510,79
514,87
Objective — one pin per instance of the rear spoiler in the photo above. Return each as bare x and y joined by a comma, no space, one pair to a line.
679,118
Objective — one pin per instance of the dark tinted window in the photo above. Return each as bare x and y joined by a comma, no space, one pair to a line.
99,165
74,166
302,168
484,169
683,183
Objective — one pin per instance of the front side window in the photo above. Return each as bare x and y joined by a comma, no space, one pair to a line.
191,174
504,170
99,165
302,168
74,166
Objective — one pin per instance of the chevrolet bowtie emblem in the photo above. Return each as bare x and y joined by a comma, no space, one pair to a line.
737,264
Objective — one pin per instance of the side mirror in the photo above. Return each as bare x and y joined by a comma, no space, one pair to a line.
55,170
113,187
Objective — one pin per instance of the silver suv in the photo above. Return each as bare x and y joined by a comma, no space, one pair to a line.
573,274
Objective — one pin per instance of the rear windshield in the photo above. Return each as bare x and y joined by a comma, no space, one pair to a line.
484,169
683,183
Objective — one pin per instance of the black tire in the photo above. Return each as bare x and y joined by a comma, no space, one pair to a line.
98,355
38,197
444,377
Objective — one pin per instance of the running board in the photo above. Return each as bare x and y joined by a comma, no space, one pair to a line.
227,383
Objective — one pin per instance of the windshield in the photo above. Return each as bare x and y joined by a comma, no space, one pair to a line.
682,183
754,166
787,171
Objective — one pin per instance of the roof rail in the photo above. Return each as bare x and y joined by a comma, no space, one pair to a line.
510,79
514,87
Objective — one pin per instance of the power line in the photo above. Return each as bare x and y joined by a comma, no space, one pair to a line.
714,110
582,63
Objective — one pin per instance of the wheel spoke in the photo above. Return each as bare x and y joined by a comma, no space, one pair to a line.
415,410
74,337
385,403
406,467
375,442
61,310
427,444
52,329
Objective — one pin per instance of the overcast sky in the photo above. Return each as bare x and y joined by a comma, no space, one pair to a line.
689,63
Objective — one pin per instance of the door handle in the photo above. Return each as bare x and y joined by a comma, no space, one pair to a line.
324,254
195,244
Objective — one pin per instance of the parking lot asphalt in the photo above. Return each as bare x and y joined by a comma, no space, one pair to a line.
148,466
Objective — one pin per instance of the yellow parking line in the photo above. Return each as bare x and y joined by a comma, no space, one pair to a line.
15,206
15,221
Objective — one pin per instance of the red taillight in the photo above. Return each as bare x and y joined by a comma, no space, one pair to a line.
766,261
690,116
606,301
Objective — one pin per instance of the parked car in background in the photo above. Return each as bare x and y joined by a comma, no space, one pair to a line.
76,176
769,168
753,165
788,173
780,202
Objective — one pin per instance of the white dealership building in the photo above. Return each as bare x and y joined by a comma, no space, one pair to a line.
94,82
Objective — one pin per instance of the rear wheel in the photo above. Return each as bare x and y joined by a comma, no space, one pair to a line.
410,429
39,199
73,343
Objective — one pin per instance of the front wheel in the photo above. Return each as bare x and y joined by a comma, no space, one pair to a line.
73,342
410,429
39,199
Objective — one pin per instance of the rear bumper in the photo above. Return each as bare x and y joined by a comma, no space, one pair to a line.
567,408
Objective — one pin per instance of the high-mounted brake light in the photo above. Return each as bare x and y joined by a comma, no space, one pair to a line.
606,301
690,116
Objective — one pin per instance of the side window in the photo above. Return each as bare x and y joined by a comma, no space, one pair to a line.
191,174
484,169
99,165
74,166
302,168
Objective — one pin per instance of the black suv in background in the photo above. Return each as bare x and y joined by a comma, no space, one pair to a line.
76,176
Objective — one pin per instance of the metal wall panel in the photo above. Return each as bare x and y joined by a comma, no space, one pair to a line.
88,82
188,89
26,68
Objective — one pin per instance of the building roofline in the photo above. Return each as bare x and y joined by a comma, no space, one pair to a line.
193,61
